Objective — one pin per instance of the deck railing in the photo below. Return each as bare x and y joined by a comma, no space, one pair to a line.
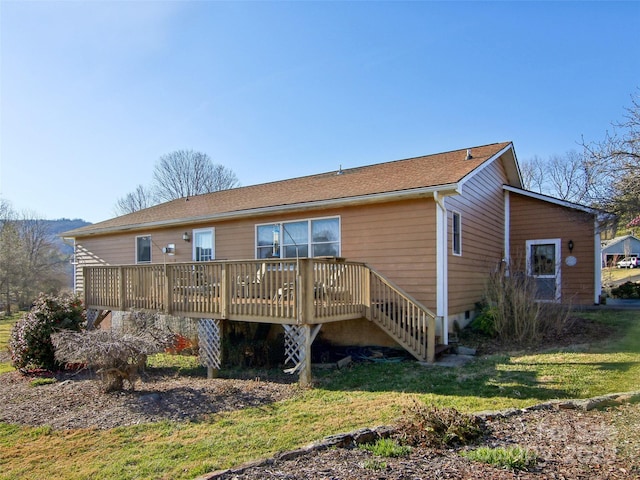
294,291
287,291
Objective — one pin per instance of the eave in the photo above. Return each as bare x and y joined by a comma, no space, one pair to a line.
423,192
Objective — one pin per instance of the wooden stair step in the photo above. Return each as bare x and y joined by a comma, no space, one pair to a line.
442,349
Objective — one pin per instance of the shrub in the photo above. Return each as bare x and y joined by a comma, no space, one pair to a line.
30,341
627,290
515,458
430,426
116,355
513,312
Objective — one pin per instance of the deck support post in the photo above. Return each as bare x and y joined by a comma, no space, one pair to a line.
210,341
305,371
297,342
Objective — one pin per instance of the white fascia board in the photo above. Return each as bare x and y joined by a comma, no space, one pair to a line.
553,200
447,189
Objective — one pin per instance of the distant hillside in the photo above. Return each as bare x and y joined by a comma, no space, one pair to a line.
63,225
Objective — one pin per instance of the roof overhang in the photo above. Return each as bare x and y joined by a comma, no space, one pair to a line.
602,218
510,163
424,192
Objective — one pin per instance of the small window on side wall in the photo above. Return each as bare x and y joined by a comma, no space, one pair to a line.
457,234
143,249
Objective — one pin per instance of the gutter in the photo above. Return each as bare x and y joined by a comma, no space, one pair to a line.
452,188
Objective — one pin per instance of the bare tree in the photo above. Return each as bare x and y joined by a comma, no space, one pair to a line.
9,257
178,174
568,177
619,156
29,261
533,177
140,198
42,263
185,173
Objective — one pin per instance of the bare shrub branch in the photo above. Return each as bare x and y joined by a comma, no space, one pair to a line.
116,355
516,313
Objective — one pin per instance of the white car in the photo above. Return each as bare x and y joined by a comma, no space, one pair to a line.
629,262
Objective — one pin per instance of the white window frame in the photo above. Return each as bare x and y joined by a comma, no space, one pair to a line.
150,250
309,243
456,251
194,233
557,242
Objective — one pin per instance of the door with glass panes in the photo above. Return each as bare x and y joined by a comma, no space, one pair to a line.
543,266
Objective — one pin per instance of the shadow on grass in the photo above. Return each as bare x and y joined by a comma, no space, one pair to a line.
489,377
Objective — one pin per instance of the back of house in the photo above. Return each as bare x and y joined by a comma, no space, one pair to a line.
432,228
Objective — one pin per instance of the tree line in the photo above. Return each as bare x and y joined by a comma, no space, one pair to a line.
604,174
30,260
179,174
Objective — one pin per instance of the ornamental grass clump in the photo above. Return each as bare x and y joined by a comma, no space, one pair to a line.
387,447
30,340
116,355
512,310
513,458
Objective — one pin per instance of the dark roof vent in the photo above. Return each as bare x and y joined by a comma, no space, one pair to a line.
469,156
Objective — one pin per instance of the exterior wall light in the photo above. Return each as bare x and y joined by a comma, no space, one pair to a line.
570,245
186,237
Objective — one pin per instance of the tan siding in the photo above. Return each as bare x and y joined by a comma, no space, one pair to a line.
481,207
533,219
397,239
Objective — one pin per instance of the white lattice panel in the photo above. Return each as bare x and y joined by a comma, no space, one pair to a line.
294,351
210,340
92,316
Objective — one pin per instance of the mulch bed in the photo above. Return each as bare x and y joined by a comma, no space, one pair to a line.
570,444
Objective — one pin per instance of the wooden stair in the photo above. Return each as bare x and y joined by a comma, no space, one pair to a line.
403,318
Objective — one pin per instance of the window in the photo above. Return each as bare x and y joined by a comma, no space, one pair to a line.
204,245
295,239
268,241
456,227
300,238
143,249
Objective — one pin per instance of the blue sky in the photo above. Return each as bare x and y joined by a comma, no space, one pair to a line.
93,93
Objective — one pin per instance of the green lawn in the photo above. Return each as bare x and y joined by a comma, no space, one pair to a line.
5,330
364,395
615,274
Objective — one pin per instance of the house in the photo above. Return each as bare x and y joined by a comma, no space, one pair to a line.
395,253
618,248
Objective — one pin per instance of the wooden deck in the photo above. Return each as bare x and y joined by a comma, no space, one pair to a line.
307,291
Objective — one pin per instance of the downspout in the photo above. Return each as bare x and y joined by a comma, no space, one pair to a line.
507,231
598,262
442,278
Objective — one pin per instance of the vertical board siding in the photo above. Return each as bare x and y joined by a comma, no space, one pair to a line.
481,206
533,219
